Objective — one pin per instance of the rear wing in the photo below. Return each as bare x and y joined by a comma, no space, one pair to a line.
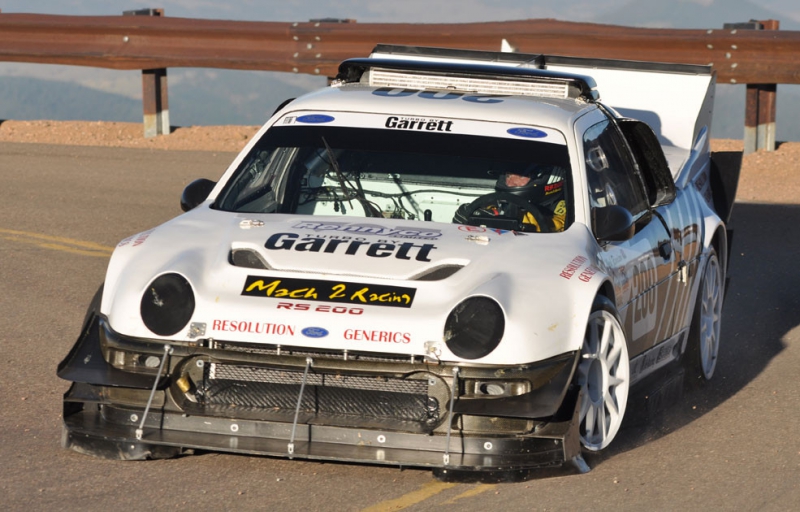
675,100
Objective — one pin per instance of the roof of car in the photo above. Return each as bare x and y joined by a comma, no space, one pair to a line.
529,110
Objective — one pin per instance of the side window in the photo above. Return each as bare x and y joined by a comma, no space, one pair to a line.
611,174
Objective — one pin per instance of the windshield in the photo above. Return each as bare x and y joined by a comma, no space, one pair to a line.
372,172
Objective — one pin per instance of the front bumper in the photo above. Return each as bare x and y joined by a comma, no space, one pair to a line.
367,410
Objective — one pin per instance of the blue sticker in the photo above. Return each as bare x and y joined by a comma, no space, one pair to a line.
528,133
314,332
315,119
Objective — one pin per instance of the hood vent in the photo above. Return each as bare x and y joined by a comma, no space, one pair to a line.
437,273
248,258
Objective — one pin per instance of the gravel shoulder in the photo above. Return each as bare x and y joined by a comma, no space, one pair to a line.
767,177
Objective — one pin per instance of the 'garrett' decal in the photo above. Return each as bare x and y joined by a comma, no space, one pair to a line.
403,251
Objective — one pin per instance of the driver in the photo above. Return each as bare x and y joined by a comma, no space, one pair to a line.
539,187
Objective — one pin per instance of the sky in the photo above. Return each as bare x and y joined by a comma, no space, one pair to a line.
372,11
216,84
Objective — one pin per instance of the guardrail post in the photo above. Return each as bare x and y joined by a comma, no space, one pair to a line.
759,121
154,90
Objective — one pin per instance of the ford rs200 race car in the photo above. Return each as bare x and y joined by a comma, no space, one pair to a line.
447,259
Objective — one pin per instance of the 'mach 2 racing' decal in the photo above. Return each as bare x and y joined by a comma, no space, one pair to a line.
329,291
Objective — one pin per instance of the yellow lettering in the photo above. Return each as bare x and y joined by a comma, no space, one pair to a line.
269,288
360,295
338,291
303,293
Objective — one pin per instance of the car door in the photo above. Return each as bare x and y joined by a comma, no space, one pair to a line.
640,265
678,211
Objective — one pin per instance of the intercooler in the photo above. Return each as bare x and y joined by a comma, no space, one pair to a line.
327,398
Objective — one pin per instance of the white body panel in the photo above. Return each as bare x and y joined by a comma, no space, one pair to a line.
553,326
545,309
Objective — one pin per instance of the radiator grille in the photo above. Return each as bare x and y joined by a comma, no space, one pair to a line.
363,399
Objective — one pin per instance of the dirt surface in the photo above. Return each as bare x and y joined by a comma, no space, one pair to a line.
767,177
127,135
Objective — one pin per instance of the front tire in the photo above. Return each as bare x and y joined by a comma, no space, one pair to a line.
603,376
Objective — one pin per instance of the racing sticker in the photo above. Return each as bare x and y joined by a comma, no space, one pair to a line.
253,327
419,124
472,229
576,263
328,291
315,119
314,332
528,133
402,251
136,240
430,125
377,336
373,229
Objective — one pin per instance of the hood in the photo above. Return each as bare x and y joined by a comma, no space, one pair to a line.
384,285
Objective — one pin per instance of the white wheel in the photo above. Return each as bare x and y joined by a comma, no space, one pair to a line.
705,330
604,377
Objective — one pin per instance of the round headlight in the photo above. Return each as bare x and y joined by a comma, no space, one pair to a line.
474,328
167,304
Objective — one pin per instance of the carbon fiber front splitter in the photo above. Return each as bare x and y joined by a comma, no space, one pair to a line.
94,426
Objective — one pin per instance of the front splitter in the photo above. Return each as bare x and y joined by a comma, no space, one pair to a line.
109,431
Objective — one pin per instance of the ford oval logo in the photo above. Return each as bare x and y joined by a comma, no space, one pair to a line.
528,133
314,332
315,119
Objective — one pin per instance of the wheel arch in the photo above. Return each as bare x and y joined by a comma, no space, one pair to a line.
719,242
606,289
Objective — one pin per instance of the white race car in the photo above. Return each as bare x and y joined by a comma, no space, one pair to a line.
450,259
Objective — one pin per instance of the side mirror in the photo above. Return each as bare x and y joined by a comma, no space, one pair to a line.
652,162
612,224
195,193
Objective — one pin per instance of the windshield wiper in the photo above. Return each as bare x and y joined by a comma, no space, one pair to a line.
339,176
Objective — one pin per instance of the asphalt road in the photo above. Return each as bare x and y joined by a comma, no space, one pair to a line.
732,445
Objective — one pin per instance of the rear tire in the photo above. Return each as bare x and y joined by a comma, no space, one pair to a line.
603,375
704,332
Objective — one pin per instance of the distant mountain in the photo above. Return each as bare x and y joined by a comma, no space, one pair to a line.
199,97
246,98
26,98
213,97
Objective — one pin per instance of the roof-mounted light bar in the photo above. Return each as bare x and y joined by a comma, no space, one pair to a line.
476,77
540,61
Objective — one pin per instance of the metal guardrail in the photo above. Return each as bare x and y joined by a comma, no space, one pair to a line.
144,42
156,42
